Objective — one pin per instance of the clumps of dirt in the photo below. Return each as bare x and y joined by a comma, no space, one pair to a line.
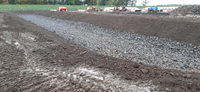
65,55
91,10
187,9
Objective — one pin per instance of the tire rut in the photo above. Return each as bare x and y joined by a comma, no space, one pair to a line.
33,75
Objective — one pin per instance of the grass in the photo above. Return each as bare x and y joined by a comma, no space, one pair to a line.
45,7
38,7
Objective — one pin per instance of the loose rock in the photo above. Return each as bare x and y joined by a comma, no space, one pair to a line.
144,71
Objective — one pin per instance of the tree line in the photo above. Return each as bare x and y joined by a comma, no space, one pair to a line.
64,2
78,2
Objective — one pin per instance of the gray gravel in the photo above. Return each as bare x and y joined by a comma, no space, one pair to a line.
187,9
126,45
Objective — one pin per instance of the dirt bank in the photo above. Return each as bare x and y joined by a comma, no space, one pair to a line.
34,59
179,29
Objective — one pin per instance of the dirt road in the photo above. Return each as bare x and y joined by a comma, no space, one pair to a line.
35,59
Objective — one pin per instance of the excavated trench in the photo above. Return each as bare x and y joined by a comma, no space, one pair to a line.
125,45
61,55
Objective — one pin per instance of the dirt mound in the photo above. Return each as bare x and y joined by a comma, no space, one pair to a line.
187,9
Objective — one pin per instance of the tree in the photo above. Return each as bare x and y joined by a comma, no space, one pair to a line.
102,2
5,2
50,2
109,2
86,1
62,2
39,2
45,2
70,2
132,2
125,2
23,1
32,1
54,1
120,2
91,2
78,2
145,2
12,1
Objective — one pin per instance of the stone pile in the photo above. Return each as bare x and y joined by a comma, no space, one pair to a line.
187,9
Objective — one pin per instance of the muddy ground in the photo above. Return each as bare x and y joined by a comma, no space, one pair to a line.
37,60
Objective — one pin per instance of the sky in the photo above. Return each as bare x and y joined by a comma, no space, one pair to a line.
165,2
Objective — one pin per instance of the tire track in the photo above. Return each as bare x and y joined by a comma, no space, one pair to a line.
32,76
1,19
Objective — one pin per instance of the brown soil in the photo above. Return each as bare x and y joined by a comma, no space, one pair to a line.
179,29
51,51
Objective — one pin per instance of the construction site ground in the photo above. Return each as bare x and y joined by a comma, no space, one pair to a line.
34,59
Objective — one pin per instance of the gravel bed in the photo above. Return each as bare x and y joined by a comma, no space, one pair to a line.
122,44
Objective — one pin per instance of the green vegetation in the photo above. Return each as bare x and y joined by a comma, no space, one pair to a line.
70,2
74,2
38,7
